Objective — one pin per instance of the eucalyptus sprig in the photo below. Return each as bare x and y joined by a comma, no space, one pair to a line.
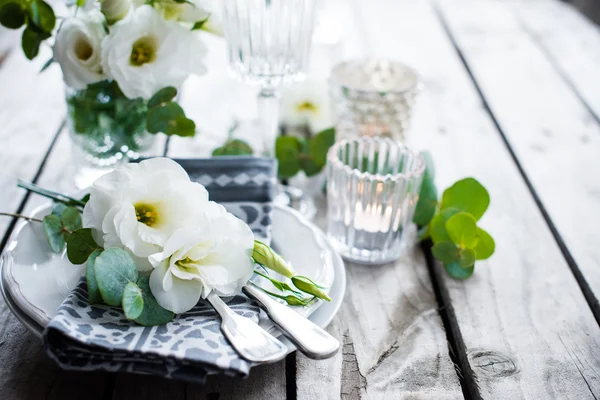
451,223
36,15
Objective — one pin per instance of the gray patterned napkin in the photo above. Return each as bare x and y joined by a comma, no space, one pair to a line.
91,338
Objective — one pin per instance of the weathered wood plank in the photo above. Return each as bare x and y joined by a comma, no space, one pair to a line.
522,305
569,40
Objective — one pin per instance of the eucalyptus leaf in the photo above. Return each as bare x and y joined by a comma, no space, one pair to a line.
58,209
114,269
31,40
427,203
458,272
319,145
162,97
467,195
42,16
234,147
462,230
71,219
80,245
446,252
308,286
133,301
170,120
94,296
12,15
437,227
466,258
53,228
287,152
485,245
153,313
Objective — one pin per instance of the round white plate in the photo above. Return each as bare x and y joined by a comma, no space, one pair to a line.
35,281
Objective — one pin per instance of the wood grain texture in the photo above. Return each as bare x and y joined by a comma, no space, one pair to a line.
393,342
522,307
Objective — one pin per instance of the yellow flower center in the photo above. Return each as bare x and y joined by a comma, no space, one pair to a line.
307,106
143,51
83,49
146,214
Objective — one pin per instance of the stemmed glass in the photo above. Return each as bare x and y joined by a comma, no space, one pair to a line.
269,43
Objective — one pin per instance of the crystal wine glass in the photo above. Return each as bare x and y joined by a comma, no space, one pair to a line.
268,44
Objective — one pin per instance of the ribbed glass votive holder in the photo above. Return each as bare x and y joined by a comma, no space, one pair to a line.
372,190
373,97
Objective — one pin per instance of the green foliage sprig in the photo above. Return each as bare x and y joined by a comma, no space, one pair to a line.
38,18
451,223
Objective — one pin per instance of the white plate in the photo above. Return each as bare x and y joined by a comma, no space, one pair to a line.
35,281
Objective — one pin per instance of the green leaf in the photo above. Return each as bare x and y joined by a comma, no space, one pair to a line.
42,16
94,295
458,272
80,245
308,286
287,152
234,147
46,65
427,203
71,218
291,299
282,286
12,15
466,258
467,195
446,252
53,228
133,301
162,97
170,120
485,245
31,40
437,227
429,165
462,230
153,313
319,145
268,258
200,24
114,270
85,198
58,209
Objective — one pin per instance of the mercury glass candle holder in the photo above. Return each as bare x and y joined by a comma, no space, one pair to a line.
372,190
373,97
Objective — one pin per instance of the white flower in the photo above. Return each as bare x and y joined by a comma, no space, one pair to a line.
78,49
306,103
139,206
197,260
114,10
144,53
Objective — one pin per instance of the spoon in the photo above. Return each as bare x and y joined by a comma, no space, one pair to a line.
309,338
250,341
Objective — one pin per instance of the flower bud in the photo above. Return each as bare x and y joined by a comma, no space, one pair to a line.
114,10
308,286
265,256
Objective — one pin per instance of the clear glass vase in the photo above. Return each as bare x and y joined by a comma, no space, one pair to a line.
106,127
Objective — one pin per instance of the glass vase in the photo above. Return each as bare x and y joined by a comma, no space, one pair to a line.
106,128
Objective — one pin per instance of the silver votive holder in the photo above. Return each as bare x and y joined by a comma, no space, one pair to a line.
373,97
372,190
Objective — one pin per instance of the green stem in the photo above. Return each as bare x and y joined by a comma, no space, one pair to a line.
21,216
61,198
283,286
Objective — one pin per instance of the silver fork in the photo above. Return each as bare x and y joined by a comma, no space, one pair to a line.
251,341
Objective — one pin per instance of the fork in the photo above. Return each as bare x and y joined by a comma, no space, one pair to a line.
250,341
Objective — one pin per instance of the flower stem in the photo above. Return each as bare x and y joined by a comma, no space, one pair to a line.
21,216
59,197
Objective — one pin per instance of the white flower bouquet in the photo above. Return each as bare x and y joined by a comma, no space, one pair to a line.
122,61
155,245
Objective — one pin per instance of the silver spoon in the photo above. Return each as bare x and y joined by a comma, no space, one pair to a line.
309,338
250,341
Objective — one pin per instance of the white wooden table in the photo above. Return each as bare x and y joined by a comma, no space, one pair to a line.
512,97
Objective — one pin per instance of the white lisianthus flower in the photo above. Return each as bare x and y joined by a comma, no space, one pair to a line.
114,10
138,207
306,103
200,259
78,49
144,53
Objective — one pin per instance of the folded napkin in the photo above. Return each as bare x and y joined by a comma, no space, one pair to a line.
191,346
